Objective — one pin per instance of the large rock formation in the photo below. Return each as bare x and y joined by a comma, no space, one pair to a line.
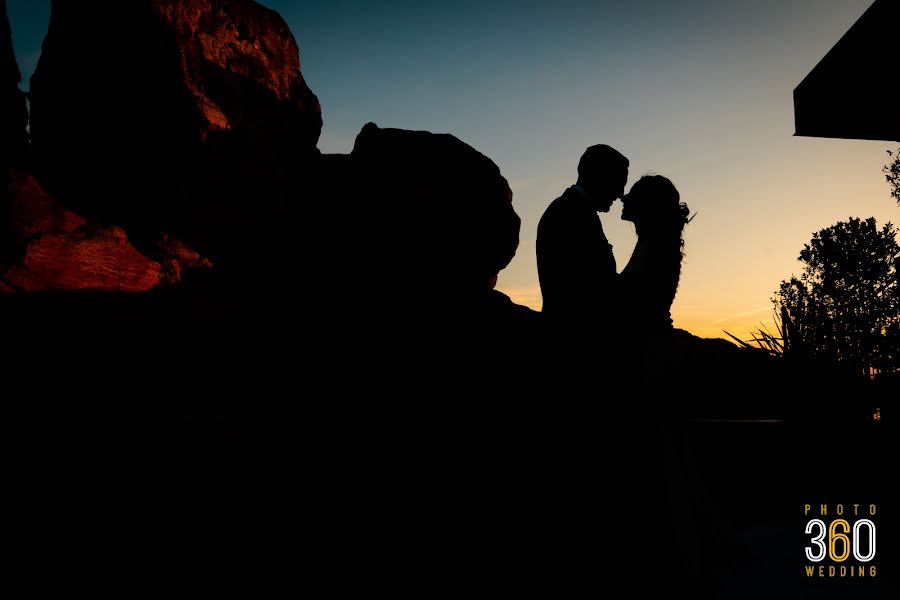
241,65
382,320
192,107
410,222
203,130
206,130
440,211
398,257
44,246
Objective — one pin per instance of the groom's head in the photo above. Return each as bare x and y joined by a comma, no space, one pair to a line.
603,173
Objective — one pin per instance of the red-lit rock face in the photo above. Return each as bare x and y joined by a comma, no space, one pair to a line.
186,126
250,44
57,249
62,250
168,124
233,50
186,105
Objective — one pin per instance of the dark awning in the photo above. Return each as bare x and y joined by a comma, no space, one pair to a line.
852,93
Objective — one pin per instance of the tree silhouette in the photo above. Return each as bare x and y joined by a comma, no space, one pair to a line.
892,174
845,306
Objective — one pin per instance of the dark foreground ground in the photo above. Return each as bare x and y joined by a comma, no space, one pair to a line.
247,506
156,460
763,475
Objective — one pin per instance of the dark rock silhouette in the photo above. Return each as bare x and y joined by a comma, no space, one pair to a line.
442,210
221,155
203,111
410,231
344,288
408,224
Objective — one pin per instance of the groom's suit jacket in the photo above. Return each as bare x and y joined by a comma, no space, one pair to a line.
576,266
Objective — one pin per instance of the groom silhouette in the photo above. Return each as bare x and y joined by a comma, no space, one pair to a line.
576,266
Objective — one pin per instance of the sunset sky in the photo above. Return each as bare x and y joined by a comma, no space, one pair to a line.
698,91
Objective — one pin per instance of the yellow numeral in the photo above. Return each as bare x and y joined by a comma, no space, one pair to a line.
834,536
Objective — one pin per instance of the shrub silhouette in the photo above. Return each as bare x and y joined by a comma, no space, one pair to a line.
845,306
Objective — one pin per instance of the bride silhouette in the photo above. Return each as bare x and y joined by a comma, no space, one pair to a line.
650,279
686,535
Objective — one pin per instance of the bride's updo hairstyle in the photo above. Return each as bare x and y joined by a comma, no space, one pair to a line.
659,205
659,210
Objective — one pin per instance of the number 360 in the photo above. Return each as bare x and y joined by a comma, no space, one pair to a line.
837,536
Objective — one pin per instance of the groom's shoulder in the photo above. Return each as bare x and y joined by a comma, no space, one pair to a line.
567,202
565,211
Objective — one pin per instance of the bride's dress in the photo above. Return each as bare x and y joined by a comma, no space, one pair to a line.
649,281
685,534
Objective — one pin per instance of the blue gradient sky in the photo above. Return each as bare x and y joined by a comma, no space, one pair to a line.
698,90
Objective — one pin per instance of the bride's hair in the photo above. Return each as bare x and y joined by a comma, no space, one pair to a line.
663,213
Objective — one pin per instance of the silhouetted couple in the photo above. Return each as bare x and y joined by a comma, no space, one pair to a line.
615,373
576,266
